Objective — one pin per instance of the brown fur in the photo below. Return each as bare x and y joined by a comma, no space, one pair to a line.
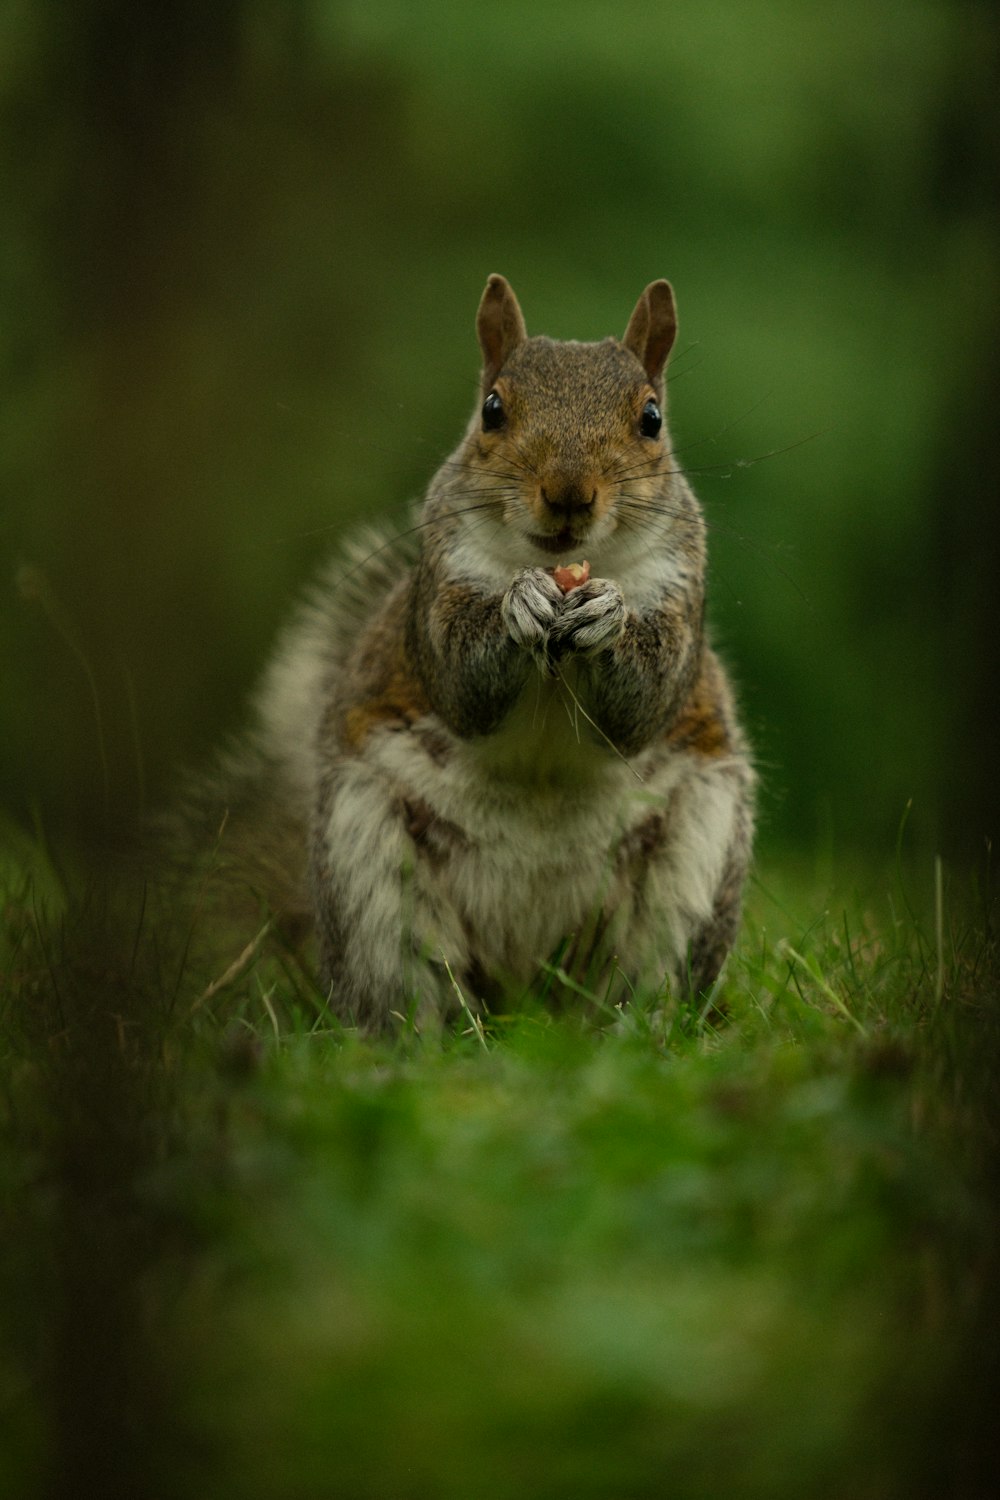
704,723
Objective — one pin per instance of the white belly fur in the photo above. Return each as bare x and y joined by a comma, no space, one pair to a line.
532,818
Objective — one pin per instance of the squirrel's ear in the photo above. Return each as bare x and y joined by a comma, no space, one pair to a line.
500,326
652,328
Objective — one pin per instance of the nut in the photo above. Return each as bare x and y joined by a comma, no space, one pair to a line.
571,576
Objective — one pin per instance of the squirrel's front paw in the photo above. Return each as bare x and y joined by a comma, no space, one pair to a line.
530,606
592,618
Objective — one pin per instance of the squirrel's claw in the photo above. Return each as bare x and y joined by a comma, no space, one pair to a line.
592,618
530,606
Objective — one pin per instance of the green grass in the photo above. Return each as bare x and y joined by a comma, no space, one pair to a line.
653,1253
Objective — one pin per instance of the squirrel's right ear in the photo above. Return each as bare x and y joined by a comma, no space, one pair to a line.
652,328
500,326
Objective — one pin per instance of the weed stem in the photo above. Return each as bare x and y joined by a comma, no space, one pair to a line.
827,989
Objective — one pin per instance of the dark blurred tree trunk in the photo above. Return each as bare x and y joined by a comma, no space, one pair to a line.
124,97
138,81
150,185
967,564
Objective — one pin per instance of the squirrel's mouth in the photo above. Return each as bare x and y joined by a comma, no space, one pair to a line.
559,541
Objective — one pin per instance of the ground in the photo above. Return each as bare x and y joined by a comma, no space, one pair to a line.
644,1252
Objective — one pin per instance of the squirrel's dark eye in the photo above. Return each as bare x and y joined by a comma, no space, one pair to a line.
493,413
651,421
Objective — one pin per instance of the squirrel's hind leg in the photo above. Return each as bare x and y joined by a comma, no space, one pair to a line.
712,941
682,869
378,954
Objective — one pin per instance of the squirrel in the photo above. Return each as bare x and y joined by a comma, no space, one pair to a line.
471,766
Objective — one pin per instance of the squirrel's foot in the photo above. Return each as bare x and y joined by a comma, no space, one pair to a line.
592,618
530,606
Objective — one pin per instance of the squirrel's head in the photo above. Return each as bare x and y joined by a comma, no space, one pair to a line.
573,434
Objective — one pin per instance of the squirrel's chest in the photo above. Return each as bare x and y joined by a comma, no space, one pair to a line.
546,742
514,807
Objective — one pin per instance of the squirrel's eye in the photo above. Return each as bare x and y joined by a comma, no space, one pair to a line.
651,421
493,413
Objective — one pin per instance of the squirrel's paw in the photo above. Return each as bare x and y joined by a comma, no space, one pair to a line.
592,618
530,606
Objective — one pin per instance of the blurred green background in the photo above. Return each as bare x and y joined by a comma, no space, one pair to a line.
243,246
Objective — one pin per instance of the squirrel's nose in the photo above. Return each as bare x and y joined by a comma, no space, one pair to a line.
568,498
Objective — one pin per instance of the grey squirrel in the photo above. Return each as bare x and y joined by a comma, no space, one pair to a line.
468,763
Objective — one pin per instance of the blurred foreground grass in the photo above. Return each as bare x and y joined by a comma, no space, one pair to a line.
642,1254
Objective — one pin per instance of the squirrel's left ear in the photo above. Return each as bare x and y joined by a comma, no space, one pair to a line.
652,328
500,326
